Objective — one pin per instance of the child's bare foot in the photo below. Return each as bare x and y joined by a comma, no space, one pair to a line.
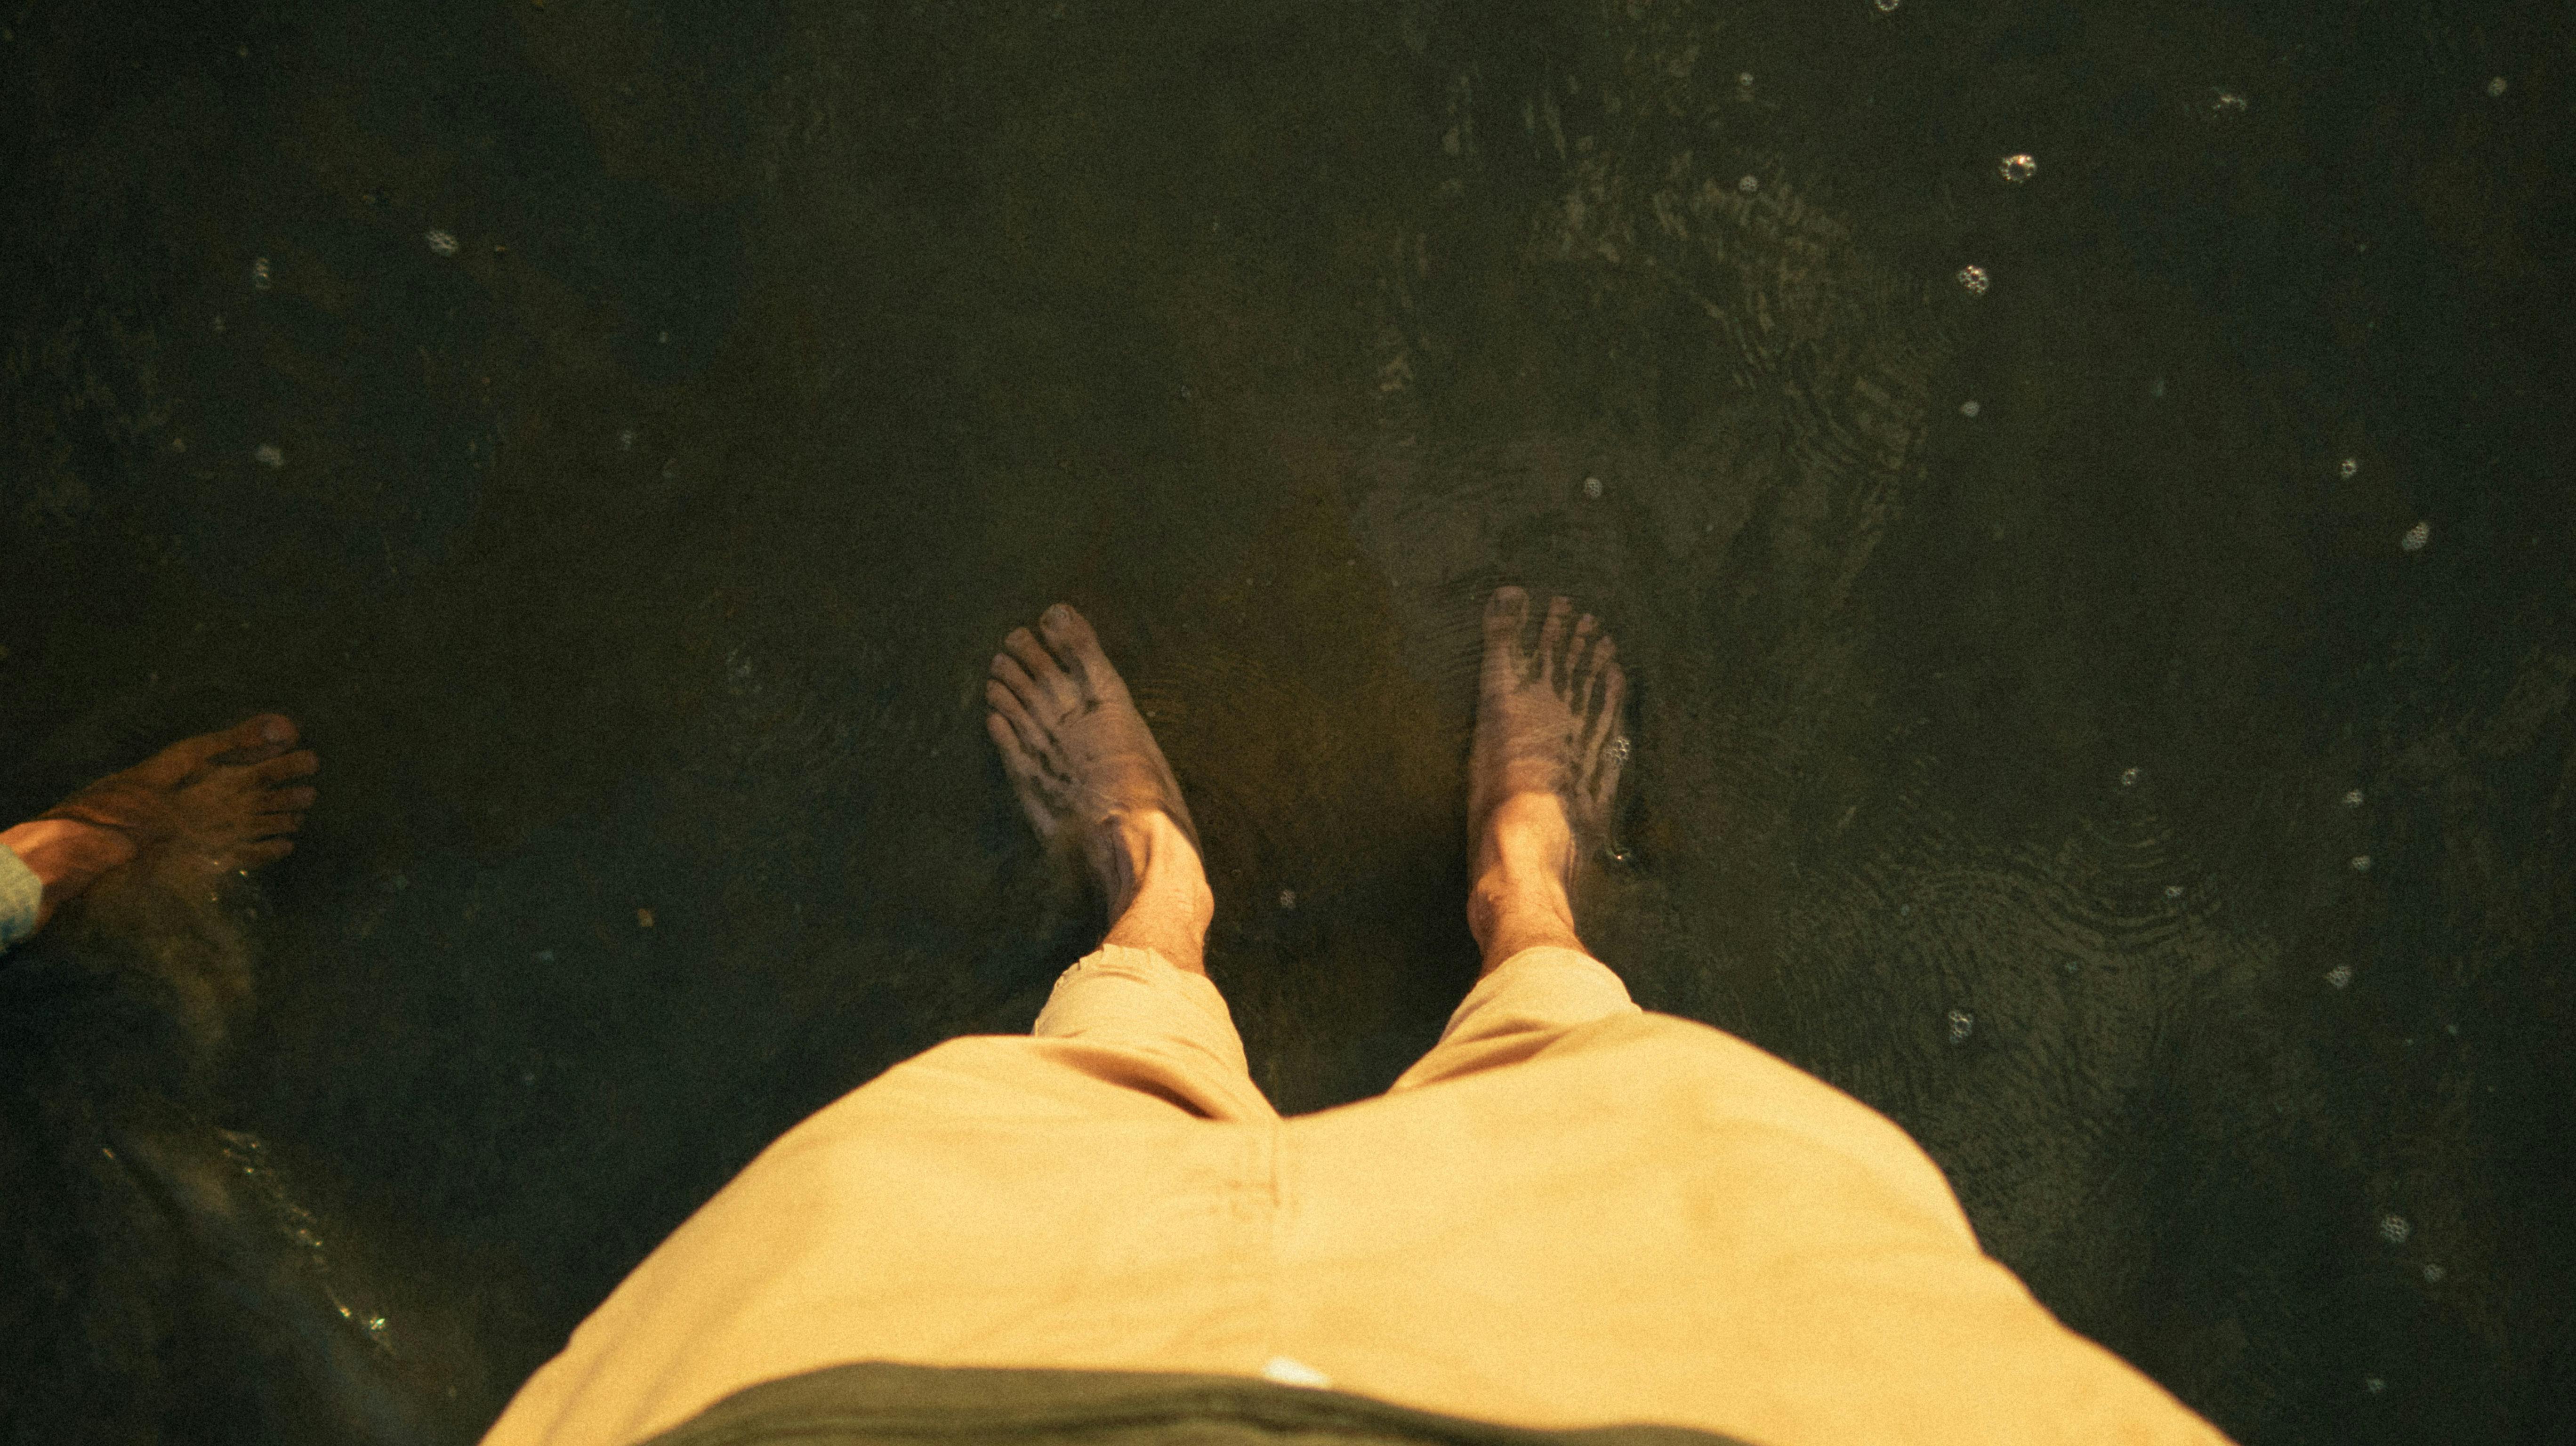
1544,769
216,803
206,806
1088,772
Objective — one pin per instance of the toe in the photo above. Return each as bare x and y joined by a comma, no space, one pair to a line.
1577,666
300,764
1025,774
1051,686
1006,739
250,741
1014,678
1015,716
1551,638
1595,709
1069,636
1505,612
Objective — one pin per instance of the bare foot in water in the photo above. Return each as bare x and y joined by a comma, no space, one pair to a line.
206,806
1543,772
1088,772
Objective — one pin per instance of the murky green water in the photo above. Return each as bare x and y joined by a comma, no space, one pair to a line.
2106,709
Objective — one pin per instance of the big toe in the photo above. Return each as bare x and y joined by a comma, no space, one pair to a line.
1504,613
253,740
1068,634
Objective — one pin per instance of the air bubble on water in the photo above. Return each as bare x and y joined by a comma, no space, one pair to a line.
2373,1384
1287,898
1744,79
2229,101
1617,748
545,956
1974,279
2173,891
442,243
2416,536
269,455
2339,976
1591,486
1748,184
2496,86
2156,388
2352,798
2072,966
2361,863
1962,1023
626,440
2433,1274
1886,7
2018,167
2394,1229
1968,408
2348,468
259,274
2128,777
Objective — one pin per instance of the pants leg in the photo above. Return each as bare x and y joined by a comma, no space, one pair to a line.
1526,1003
1573,1212
1130,1017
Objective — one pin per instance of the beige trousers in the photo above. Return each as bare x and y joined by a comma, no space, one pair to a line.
1571,1212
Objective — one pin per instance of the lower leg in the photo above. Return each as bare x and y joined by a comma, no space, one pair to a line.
1519,899
1158,892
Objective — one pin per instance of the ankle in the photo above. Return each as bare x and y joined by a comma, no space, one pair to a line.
1523,866
66,856
1158,891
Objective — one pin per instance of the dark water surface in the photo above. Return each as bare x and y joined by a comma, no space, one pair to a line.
2114,721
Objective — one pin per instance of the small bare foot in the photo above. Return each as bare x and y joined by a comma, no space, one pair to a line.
1086,767
1543,771
213,804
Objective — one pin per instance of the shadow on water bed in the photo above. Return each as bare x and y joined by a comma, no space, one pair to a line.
2105,708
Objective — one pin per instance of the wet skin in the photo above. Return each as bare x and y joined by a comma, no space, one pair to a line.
203,807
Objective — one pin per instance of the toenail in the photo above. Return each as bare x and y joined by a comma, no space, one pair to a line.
278,732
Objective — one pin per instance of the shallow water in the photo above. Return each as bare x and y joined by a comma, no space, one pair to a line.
621,433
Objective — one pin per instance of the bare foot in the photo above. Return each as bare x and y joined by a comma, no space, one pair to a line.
213,804
1544,769
1083,762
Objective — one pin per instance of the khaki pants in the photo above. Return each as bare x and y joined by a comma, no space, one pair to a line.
1571,1212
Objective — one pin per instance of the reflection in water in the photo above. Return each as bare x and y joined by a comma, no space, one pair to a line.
177,1286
